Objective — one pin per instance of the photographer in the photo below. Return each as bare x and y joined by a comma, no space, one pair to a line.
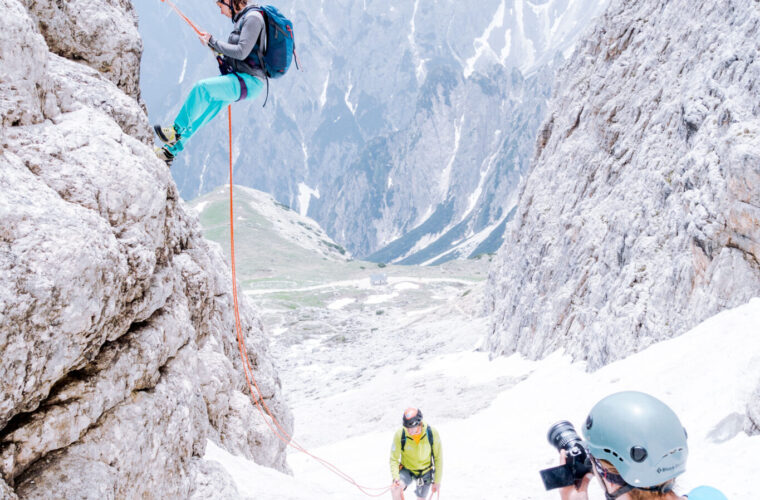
634,444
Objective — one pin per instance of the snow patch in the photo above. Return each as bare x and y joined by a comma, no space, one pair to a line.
323,96
182,74
259,481
481,44
347,98
420,66
379,299
340,304
446,174
200,207
304,198
406,286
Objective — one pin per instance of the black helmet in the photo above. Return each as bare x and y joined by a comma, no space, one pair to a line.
412,417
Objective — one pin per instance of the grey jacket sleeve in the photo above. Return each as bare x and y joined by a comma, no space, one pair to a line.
249,35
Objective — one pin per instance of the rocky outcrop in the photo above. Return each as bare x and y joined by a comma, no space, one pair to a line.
641,213
120,357
102,35
752,424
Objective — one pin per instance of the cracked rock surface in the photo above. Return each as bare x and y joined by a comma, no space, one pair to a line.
120,357
640,217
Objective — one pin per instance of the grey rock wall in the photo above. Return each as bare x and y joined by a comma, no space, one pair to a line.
120,357
641,214
102,35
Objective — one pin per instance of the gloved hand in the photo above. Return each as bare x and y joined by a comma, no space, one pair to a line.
396,484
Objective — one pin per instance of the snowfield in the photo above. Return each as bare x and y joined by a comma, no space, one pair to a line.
493,415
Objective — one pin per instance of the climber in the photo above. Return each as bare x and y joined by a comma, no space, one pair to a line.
637,447
241,77
416,455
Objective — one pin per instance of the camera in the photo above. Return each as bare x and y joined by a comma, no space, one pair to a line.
562,436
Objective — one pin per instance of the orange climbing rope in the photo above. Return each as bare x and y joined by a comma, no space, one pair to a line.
257,395
183,16
255,391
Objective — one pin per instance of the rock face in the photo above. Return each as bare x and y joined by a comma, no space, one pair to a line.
641,214
116,325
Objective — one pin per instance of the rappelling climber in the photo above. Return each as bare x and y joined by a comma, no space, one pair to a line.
636,448
416,456
245,62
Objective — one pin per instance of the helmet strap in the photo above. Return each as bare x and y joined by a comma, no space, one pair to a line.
622,491
230,4
627,487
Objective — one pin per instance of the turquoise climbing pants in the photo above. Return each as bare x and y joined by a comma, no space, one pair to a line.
206,100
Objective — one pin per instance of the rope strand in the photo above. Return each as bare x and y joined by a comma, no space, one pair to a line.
257,395
183,16
259,401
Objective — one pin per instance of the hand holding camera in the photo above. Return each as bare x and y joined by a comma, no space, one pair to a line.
571,492
575,464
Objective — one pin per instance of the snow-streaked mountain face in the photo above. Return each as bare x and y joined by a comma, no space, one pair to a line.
641,214
117,333
408,129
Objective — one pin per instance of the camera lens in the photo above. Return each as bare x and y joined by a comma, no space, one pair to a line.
562,436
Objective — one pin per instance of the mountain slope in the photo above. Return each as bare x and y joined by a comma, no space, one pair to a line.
270,238
401,108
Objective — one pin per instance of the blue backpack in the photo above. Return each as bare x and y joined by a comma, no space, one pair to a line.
281,47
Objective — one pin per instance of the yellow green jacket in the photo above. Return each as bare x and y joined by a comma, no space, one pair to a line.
416,456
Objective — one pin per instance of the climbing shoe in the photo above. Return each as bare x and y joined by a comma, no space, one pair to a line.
168,135
165,155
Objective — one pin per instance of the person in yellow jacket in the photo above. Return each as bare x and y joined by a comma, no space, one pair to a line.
416,455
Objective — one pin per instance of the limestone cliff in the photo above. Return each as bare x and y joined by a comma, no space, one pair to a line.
641,214
119,356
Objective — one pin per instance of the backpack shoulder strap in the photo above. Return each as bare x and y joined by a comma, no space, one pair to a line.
431,441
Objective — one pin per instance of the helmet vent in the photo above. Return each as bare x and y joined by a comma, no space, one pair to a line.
639,454
673,452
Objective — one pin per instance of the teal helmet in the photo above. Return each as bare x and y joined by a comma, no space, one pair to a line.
638,434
